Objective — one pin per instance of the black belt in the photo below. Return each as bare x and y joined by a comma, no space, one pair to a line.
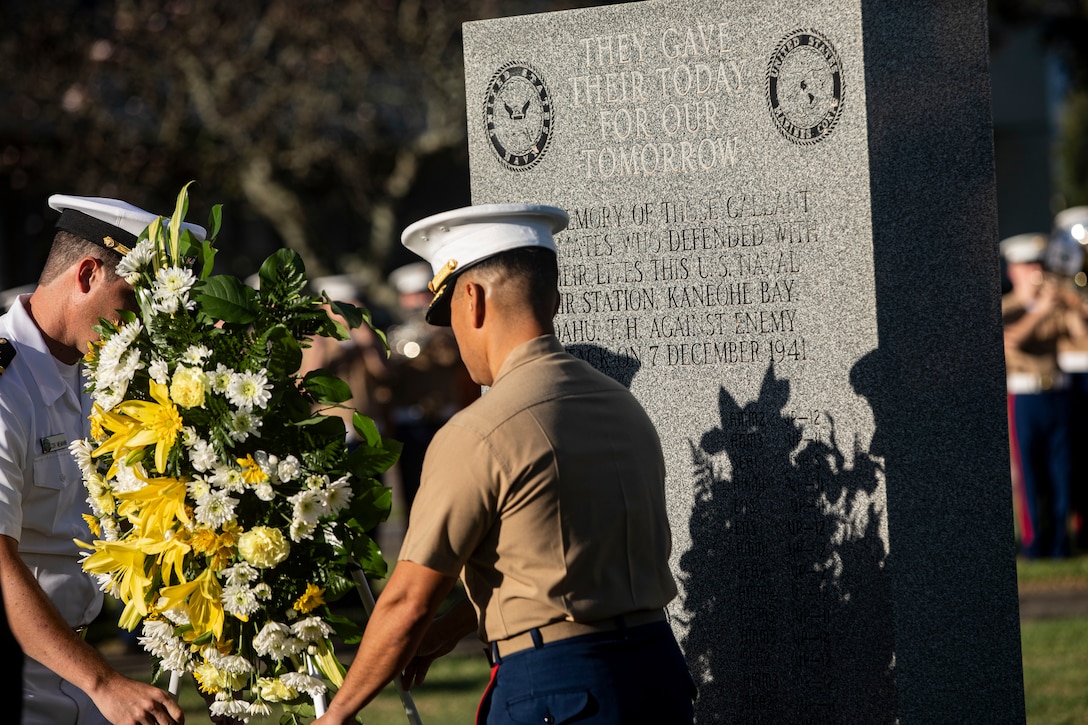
556,631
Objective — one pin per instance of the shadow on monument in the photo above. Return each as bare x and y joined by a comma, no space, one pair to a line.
786,598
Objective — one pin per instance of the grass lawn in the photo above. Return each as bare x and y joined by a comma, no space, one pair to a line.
449,696
1055,651
1055,656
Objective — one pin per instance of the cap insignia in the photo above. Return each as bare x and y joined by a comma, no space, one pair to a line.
439,281
115,245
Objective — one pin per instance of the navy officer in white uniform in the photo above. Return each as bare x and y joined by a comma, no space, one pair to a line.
48,598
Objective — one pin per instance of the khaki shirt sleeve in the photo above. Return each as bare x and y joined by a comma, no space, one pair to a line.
457,502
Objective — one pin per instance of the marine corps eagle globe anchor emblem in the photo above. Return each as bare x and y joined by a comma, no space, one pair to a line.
518,115
805,87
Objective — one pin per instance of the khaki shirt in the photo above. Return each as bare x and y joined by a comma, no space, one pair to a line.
548,493
1037,355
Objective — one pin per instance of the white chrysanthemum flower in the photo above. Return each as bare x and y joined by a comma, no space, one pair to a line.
129,478
108,398
303,682
111,529
202,455
240,573
262,591
308,507
339,495
239,600
171,290
198,488
311,629
259,709
249,390
159,370
81,451
189,436
300,530
236,709
265,491
136,261
275,641
243,424
288,469
178,616
195,355
220,379
229,478
158,639
215,509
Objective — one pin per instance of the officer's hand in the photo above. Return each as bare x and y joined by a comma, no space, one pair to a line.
124,701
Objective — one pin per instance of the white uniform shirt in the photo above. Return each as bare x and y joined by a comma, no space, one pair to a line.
42,498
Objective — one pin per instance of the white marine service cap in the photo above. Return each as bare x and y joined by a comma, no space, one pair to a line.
1024,248
454,241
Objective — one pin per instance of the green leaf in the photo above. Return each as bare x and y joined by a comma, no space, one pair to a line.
366,552
371,506
283,274
284,353
215,221
367,429
325,387
368,460
226,298
353,315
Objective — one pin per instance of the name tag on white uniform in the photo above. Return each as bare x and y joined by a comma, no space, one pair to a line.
54,443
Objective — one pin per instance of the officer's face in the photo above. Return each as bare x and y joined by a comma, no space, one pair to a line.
109,294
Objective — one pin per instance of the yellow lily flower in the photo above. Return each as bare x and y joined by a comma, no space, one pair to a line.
201,597
125,562
156,507
139,423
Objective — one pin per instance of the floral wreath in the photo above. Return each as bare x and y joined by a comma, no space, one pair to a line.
227,514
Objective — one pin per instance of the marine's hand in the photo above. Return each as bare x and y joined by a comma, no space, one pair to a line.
124,701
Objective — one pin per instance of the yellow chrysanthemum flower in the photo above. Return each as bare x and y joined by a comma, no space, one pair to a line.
312,598
251,472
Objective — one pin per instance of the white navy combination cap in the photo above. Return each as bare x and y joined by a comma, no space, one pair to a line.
1024,248
411,278
110,223
454,241
1074,222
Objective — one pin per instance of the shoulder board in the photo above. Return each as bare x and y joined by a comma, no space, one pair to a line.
7,354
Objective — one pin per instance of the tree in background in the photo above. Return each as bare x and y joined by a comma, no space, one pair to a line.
1064,30
313,116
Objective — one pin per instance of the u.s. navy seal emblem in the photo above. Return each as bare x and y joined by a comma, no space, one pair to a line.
805,87
518,115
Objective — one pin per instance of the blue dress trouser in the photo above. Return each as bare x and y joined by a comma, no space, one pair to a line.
636,675
1042,422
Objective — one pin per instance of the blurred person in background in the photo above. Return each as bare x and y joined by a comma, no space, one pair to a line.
427,381
360,361
1066,254
1040,312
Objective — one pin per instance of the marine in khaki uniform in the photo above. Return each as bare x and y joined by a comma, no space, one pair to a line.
546,496
1039,313
1065,256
